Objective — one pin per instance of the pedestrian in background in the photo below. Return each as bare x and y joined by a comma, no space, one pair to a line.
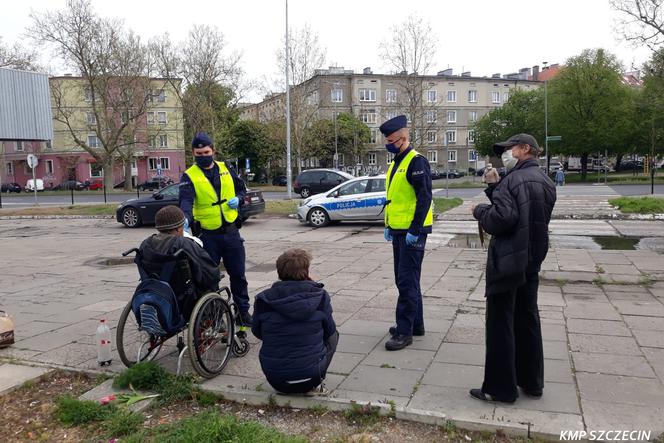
560,177
518,221
408,221
490,176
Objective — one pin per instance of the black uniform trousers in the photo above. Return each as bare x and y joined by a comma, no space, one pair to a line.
229,247
407,271
514,355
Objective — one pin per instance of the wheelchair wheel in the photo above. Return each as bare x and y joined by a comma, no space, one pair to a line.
210,337
240,346
130,339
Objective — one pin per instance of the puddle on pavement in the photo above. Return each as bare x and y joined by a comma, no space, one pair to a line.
472,241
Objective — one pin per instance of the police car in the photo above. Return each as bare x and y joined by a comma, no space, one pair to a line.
360,198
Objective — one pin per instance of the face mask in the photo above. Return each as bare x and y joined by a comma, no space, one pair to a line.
204,161
392,148
508,159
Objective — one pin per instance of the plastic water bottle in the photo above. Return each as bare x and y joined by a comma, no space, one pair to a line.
103,337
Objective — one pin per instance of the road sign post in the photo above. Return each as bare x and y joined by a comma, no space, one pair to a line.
33,162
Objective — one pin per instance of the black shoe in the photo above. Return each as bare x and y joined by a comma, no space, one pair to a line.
478,394
533,393
246,319
417,332
398,342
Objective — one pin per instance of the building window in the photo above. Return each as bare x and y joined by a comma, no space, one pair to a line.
451,117
96,171
451,96
432,156
161,95
373,138
472,96
506,96
367,95
431,136
358,160
165,163
372,158
495,97
471,136
368,116
390,115
152,141
87,94
48,145
431,96
450,136
161,117
389,158
93,141
472,116
452,156
341,159
150,118
152,163
163,141
337,95
91,118
430,116
472,154
9,168
19,146
312,99
49,167
390,95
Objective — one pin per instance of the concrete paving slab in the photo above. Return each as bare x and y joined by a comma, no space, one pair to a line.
357,344
455,402
542,422
344,362
650,309
589,343
13,376
605,416
386,381
461,354
408,358
632,366
621,389
454,375
598,327
557,397
648,338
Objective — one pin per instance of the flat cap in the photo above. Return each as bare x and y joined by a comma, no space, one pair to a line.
393,125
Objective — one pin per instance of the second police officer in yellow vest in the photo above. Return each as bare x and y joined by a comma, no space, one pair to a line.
211,194
408,220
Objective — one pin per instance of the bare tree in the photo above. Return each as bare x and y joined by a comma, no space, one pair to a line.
114,69
17,57
306,55
642,21
410,52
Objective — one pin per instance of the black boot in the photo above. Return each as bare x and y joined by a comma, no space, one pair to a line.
398,342
417,332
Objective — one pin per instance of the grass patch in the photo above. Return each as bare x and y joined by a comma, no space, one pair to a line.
363,415
211,426
318,409
64,210
613,178
71,411
149,376
440,184
281,207
639,205
122,422
441,205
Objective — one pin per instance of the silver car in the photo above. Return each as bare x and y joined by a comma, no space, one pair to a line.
361,198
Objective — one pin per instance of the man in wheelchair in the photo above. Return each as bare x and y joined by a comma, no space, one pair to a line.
191,279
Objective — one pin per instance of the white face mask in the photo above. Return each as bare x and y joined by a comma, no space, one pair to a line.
509,161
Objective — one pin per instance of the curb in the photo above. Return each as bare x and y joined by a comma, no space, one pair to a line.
56,217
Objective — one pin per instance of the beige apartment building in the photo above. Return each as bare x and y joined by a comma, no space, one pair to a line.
441,112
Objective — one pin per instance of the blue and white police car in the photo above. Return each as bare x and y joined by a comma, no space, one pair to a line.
360,198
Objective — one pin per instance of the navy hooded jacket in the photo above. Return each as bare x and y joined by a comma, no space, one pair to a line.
293,319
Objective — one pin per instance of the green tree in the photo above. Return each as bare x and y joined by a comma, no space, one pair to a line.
590,107
523,113
352,137
651,106
249,139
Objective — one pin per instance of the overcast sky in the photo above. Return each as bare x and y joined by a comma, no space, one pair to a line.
478,36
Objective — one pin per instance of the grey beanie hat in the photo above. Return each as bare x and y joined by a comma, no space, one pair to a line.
169,218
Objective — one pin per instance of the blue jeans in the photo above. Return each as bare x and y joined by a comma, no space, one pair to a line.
407,270
230,248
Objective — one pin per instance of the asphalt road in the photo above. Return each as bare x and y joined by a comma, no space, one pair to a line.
13,201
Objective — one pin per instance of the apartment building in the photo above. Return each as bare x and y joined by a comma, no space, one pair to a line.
441,108
153,142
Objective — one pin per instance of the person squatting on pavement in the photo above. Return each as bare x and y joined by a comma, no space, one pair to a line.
211,194
294,320
408,220
518,221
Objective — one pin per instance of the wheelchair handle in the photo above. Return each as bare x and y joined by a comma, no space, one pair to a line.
179,252
126,253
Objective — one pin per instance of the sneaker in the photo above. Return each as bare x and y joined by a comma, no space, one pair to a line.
417,332
318,391
532,393
246,319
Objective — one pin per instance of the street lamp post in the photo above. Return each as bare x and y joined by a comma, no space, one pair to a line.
336,137
447,168
289,173
546,125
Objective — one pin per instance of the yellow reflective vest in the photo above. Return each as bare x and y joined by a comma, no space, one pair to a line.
207,209
400,210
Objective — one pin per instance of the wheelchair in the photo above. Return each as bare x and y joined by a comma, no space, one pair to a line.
214,330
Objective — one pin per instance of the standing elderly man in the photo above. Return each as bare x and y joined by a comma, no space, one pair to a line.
408,220
211,194
518,221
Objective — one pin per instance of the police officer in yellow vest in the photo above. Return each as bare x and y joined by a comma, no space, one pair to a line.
211,194
408,220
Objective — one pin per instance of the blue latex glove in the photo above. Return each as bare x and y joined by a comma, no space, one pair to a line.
411,239
234,203
387,235
186,225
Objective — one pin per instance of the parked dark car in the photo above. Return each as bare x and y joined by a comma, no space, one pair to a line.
315,181
11,187
436,174
155,183
455,173
280,180
630,165
141,211
68,185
